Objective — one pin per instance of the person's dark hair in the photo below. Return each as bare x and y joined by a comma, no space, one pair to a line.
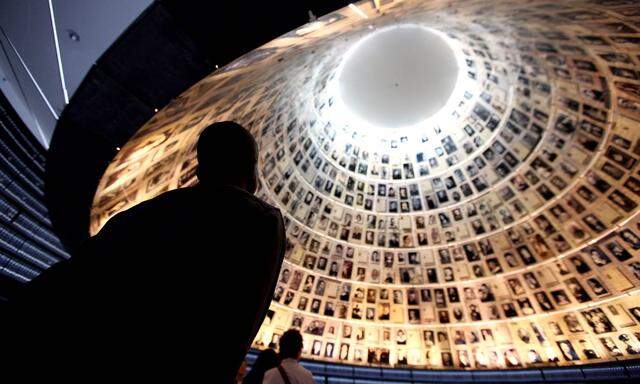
227,154
290,344
266,360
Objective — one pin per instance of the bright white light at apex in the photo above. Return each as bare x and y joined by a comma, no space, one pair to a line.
379,102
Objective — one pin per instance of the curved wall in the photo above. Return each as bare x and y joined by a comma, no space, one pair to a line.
28,243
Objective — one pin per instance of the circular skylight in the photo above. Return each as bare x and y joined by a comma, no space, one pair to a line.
398,76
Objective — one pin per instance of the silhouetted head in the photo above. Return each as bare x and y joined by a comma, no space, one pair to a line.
227,154
266,360
290,344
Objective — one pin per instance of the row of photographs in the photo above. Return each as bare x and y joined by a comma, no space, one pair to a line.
602,270
519,247
607,332
480,260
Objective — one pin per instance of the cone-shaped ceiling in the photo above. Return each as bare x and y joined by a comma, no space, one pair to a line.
484,215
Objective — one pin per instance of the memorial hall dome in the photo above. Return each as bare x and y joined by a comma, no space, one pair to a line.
459,182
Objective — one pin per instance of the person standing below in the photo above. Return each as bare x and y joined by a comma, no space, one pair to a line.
266,360
289,371
174,288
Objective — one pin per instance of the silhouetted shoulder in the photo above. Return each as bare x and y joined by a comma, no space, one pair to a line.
257,203
191,202
167,199
216,196
238,197
173,198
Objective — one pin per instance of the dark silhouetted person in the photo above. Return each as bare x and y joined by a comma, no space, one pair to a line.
289,371
175,287
266,360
